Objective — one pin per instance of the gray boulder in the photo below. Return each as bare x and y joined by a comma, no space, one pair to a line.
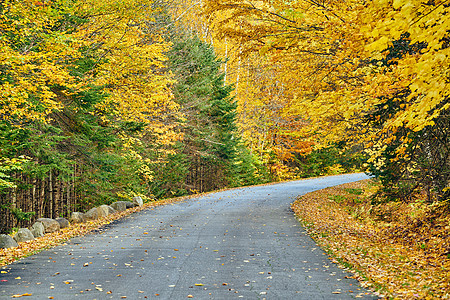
7,242
138,201
99,212
63,222
91,214
23,235
122,205
37,229
50,225
105,210
77,217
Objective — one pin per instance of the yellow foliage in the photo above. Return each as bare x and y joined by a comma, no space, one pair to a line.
32,60
39,50
316,59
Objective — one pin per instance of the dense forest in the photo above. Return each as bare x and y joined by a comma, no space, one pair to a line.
106,100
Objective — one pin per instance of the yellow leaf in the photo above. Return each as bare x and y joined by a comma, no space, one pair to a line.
398,3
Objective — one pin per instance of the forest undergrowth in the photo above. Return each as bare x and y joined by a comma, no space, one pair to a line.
400,249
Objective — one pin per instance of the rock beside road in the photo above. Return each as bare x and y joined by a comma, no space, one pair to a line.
37,229
63,222
105,210
50,225
122,205
91,214
23,235
98,212
138,201
77,217
7,242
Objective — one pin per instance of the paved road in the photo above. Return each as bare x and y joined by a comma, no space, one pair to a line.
243,243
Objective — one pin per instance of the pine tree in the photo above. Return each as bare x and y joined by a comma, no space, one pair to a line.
210,138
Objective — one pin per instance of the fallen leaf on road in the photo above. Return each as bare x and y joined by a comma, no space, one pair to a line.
50,240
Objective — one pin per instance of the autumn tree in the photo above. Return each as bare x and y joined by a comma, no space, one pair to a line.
410,42
90,113
84,98
373,74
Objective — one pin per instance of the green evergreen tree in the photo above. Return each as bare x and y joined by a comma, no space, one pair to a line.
216,157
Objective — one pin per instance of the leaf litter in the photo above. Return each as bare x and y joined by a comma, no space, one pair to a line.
402,250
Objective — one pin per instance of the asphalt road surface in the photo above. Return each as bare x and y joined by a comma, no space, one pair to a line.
243,243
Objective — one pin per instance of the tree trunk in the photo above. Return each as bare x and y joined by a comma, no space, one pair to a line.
50,195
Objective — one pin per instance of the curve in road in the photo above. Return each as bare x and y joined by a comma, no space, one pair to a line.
242,243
